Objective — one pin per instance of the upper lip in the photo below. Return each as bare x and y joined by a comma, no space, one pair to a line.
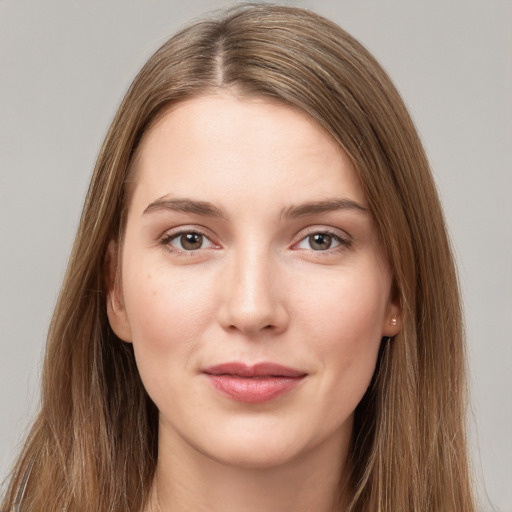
258,370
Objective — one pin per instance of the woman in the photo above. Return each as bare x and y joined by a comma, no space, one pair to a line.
261,309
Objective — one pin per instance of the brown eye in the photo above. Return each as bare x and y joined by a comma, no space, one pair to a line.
189,241
320,241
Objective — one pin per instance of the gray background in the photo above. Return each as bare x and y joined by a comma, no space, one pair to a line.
64,66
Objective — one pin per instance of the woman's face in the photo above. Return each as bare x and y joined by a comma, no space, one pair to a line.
252,282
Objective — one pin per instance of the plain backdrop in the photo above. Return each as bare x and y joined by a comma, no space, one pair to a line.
64,67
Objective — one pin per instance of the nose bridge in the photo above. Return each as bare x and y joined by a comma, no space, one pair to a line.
252,300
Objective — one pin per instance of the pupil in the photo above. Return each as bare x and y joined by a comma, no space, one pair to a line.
320,241
191,241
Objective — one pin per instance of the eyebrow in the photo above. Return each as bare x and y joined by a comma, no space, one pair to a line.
316,207
207,209
185,206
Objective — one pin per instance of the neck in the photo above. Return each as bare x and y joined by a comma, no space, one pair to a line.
189,480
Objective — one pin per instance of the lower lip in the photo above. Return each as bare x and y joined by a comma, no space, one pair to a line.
255,390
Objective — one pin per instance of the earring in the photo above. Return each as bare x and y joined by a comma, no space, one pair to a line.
393,321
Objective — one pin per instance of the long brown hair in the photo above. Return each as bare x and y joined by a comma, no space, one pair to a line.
94,444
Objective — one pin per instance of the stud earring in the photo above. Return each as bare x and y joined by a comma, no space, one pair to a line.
393,321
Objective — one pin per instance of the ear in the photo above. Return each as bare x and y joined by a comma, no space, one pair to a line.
116,311
393,318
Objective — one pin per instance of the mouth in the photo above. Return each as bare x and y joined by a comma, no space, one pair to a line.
253,384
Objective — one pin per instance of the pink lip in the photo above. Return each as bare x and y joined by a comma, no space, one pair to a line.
253,384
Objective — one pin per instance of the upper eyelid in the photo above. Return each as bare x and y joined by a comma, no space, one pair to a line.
310,230
179,230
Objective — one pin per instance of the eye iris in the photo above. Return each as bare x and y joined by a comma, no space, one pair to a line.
320,241
191,241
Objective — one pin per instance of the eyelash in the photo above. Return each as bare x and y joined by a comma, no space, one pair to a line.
169,237
343,243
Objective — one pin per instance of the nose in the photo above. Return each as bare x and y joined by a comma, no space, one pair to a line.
254,301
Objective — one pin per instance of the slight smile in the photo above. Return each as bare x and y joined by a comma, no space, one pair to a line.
253,384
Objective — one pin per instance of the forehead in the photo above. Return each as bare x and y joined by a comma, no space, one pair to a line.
224,148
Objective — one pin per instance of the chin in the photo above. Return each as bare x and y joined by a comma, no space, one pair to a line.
254,456
266,446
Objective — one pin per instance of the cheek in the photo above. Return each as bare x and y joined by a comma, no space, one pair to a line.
345,325
167,311
344,309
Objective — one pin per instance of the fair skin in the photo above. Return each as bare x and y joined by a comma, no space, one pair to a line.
248,240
